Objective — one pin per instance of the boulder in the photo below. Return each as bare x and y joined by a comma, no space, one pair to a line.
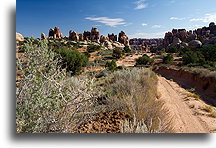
108,44
195,44
19,37
118,45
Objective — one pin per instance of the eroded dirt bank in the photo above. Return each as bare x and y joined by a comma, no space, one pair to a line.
189,114
204,85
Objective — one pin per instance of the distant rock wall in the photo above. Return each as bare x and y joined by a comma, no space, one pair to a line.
196,38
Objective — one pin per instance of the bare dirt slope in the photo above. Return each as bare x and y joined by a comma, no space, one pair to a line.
189,113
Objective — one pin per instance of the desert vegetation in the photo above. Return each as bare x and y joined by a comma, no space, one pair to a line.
55,95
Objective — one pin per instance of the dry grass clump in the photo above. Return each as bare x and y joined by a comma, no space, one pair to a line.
213,114
193,95
199,70
211,110
208,108
137,126
135,92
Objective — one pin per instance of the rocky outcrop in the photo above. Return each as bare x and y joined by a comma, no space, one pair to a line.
87,35
55,33
95,35
145,44
73,35
19,37
81,37
112,37
43,36
123,38
204,35
103,39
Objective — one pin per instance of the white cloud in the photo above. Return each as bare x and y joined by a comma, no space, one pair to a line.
144,24
205,19
140,4
176,18
156,26
192,27
107,21
127,24
147,35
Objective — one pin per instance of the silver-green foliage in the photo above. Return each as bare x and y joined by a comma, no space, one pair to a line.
47,100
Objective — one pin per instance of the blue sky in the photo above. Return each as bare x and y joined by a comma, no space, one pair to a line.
138,18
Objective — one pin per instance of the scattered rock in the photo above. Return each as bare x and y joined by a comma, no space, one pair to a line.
195,44
19,37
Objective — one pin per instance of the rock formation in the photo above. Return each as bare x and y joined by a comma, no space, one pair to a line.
103,39
73,35
95,35
55,33
196,38
123,38
43,36
19,37
112,37
81,37
86,35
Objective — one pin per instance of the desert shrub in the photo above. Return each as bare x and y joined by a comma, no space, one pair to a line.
46,100
93,48
204,56
144,60
136,126
117,53
172,50
72,60
168,59
105,52
127,49
209,53
135,93
111,65
87,54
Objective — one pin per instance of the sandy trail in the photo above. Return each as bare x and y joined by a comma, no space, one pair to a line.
187,112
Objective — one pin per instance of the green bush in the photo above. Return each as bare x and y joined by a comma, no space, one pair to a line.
117,53
172,50
204,57
168,59
144,60
72,60
127,49
93,48
111,65
193,57
46,99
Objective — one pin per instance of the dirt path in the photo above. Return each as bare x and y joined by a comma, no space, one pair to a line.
189,114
